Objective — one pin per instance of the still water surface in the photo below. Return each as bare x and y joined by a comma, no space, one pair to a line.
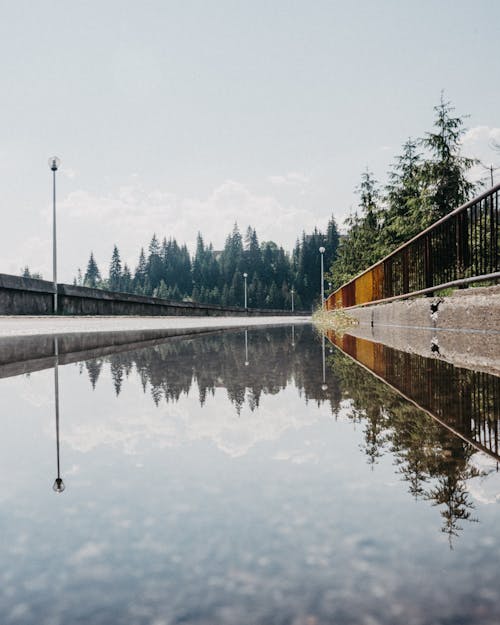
250,478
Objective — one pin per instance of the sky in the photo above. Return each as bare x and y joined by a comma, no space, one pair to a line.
178,117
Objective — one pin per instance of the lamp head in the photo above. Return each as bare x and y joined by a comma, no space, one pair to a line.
245,275
321,250
59,485
54,163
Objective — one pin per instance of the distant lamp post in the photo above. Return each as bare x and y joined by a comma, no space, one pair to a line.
292,292
59,485
322,251
245,275
54,163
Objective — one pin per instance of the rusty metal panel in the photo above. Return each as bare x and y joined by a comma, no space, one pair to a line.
364,288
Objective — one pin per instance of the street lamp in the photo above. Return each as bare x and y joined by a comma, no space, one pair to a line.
322,251
292,292
54,163
245,275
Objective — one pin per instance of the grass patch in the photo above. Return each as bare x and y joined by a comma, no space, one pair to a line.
337,320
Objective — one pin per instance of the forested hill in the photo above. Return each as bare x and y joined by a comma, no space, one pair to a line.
168,270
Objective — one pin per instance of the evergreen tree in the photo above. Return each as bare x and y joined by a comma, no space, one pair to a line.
115,270
155,266
126,281
140,273
404,194
362,245
92,275
445,173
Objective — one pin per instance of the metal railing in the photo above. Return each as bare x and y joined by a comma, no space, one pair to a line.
461,248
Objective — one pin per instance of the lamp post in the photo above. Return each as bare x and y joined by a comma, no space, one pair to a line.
322,251
59,485
245,275
292,292
54,163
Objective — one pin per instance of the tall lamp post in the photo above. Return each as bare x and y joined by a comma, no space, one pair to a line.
245,275
292,292
54,163
322,251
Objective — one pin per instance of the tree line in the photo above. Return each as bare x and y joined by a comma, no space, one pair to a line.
167,270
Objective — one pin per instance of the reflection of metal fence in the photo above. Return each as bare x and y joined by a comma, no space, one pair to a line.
464,401
461,247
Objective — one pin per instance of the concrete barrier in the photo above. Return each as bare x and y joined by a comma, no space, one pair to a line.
26,296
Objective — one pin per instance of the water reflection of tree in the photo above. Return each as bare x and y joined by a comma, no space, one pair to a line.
434,462
214,361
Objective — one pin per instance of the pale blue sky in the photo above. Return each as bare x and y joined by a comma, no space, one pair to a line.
179,116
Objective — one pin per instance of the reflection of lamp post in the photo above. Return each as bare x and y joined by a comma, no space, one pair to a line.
293,336
59,485
292,292
246,349
245,275
322,251
324,386
54,163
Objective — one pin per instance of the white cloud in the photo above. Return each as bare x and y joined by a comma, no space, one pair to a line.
31,252
481,135
479,142
68,173
291,178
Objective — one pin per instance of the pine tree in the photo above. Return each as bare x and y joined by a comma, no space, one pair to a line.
155,266
115,270
445,173
92,275
140,273
362,245
126,281
405,198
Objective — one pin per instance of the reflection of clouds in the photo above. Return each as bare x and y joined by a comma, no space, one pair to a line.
296,456
485,489
88,551
34,389
186,422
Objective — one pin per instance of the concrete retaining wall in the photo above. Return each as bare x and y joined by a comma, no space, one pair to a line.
463,329
25,296
473,309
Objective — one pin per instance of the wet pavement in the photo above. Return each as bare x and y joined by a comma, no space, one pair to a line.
258,476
